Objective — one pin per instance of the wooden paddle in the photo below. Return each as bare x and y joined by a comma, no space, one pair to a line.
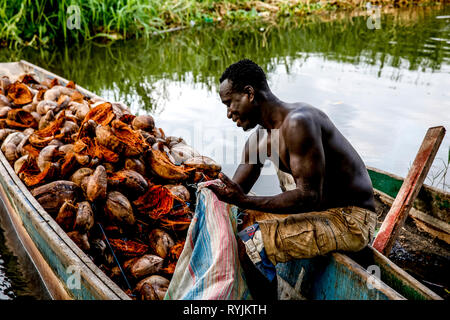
396,216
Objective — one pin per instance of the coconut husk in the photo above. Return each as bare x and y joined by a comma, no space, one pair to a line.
102,114
52,195
71,85
66,216
32,176
129,181
132,139
118,209
160,242
23,117
19,93
146,265
157,202
164,168
84,219
69,164
97,184
42,138
128,248
152,288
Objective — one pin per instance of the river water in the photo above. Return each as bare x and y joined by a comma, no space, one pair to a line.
383,88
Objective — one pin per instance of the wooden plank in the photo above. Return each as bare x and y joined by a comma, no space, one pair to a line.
396,216
424,221
52,284
430,200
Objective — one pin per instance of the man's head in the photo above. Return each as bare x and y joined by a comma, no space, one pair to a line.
240,84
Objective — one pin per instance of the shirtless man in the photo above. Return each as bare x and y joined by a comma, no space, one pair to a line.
332,206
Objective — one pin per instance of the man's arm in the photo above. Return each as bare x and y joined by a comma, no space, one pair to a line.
307,164
246,176
250,168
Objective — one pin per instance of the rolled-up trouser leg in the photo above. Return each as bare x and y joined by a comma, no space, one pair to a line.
307,235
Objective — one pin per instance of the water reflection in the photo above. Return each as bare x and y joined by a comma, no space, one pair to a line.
382,88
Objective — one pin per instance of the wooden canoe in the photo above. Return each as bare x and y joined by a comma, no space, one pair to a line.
57,259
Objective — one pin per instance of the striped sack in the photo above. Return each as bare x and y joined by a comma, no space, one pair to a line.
208,267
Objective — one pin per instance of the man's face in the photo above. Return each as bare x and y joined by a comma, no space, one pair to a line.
239,106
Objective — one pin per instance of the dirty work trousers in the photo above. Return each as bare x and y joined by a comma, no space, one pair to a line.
306,235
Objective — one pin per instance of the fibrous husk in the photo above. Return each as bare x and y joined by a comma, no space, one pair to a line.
101,114
144,266
118,209
130,138
160,242
19,93
152,288
130,181
158,201
23,118
176,223
164,168
85,149
28,78
42,138
80,239
66,216
69,163
173,256
84,219
52,196
128,248
97,184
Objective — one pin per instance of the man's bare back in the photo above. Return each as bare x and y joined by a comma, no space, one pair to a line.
346,181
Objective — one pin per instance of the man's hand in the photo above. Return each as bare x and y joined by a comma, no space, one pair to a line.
231,193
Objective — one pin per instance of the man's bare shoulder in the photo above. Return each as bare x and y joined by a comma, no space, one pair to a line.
302,118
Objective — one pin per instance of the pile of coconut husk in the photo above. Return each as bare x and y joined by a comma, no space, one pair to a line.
120,189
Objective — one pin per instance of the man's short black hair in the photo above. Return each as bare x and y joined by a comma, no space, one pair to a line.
245,72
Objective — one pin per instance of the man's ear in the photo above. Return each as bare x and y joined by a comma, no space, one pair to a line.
250,91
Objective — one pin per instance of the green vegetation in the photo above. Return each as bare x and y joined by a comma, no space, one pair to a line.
201,54
39,23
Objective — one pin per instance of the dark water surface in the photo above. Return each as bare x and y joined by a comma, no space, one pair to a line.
382,88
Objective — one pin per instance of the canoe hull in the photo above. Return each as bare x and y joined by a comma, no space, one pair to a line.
65,269
68,273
